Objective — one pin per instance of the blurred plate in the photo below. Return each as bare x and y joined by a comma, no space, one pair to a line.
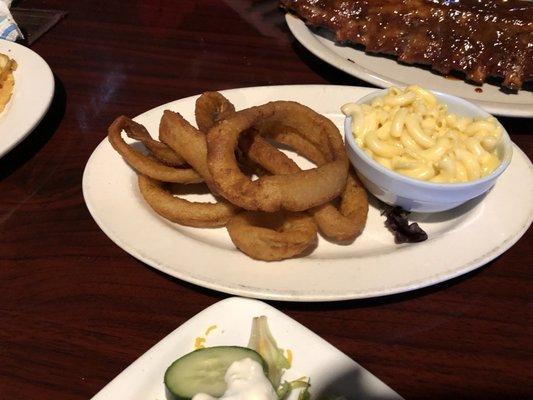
371,266
32,94
331,372
385,72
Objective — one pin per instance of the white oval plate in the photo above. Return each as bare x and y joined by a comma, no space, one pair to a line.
32,94
459,241
331,371
385,72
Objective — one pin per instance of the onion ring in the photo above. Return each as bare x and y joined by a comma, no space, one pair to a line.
143,163
208,104
274,224
317,151
258,150
159,150
272,236
346,223
181,211
341,225
183,138
211,107
295,192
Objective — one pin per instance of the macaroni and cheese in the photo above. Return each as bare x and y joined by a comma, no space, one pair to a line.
410,132
7,81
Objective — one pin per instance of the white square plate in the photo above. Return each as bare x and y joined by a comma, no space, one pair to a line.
331,372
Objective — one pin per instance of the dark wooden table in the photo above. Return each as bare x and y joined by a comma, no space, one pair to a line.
75,309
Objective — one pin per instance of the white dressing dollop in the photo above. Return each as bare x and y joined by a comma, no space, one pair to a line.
246,381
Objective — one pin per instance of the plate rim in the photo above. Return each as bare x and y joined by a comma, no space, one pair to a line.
302,33
269,294
47,96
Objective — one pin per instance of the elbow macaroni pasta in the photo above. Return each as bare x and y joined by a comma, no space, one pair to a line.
7,81
410,132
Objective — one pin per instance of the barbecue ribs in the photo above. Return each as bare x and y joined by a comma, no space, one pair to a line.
480,38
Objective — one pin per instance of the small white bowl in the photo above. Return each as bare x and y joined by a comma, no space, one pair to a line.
413,194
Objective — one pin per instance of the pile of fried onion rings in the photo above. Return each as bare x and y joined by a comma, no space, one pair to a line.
273,217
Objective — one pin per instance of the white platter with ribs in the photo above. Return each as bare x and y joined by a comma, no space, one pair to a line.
385,72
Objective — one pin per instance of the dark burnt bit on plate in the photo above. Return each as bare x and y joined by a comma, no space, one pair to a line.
404,232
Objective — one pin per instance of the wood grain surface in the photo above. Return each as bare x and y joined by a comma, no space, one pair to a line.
75,309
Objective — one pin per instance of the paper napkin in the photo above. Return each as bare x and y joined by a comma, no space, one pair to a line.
8,27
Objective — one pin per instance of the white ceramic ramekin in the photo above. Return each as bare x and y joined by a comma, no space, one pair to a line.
413,194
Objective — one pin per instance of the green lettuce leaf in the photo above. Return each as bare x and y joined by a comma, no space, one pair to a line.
262,341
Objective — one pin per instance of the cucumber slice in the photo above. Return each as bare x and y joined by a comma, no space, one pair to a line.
203,370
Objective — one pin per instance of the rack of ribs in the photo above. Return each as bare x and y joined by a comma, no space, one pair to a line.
479,38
